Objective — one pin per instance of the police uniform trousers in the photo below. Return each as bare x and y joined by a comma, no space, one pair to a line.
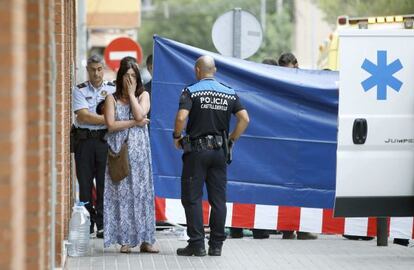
90,158
209,167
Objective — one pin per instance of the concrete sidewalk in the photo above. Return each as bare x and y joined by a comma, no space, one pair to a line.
328,252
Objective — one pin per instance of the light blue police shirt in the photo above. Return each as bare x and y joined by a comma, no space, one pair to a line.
85,96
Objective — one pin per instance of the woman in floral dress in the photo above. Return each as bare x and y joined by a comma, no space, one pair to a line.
129,215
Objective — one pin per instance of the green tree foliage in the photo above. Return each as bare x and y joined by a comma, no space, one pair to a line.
356,8
277,38
191,21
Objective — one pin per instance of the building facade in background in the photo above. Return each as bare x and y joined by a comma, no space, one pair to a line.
37,59
107,20
310,31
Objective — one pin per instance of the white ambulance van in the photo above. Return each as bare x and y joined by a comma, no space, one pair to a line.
375,154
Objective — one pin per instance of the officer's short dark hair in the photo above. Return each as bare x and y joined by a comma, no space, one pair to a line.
287,58
95,59
270,61
148,62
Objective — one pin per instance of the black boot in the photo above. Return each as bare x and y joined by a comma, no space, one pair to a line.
100,234
402,242
190,251
236,232
214,251
260,234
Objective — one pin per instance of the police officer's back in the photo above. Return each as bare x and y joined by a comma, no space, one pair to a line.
208,105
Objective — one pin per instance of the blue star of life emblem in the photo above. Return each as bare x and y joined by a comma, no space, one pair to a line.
381,75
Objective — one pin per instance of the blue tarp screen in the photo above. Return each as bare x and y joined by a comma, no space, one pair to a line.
287,156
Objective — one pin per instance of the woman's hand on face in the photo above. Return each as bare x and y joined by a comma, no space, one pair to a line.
143,122
131,85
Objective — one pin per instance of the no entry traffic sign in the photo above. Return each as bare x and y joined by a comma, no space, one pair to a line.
120,48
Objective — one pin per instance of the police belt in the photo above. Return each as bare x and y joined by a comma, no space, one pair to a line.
84,133
209,142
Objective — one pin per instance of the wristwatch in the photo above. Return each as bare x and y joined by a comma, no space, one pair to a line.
175,135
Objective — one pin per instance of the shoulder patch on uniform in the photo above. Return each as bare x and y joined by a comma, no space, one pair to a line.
82,85
111,83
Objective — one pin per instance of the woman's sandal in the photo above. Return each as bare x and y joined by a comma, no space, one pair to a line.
125,249
148,248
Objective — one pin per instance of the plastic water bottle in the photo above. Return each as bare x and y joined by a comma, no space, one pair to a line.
79,226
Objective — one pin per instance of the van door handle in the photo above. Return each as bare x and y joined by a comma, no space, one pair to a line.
359,131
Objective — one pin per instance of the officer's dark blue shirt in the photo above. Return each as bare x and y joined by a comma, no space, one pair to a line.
210,104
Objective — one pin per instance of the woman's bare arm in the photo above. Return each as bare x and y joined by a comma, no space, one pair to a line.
110,121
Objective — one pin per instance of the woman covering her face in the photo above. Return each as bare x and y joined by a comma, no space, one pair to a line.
129,215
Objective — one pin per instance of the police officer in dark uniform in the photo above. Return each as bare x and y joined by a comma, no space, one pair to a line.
87,136
208,105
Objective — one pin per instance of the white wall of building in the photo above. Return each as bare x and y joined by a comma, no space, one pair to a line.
310,32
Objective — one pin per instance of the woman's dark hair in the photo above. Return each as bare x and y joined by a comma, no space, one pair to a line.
125,65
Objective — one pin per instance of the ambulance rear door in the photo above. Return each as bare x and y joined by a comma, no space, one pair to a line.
375,154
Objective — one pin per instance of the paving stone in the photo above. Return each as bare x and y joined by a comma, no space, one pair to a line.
327,252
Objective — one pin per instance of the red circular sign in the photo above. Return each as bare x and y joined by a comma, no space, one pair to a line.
118,49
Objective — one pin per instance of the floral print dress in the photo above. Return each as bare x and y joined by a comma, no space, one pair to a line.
129,215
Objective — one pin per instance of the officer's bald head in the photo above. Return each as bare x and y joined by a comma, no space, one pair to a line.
205,67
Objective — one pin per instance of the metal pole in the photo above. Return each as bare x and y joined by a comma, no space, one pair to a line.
237,32
263,15
382,232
